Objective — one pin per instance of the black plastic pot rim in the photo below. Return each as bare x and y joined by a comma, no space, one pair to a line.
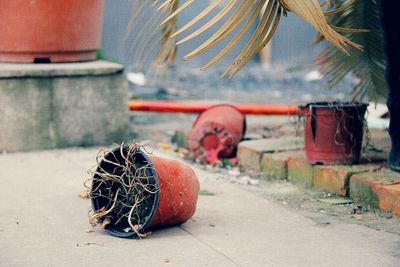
335,104
117,232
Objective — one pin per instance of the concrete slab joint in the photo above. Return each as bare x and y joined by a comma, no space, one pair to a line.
58,105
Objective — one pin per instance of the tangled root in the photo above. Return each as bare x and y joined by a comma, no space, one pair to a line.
123,190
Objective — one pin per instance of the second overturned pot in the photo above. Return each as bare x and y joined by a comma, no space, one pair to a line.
216,133
133,193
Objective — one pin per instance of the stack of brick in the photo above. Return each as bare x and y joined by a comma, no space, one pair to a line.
284,158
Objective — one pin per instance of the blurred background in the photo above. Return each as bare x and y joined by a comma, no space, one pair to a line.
283,73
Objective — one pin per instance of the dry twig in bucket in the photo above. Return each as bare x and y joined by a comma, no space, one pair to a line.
123,190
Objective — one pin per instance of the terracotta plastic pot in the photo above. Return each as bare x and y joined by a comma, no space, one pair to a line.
45,31
334,132
174,202
216,133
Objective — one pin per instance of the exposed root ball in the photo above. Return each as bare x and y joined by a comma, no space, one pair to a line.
124,190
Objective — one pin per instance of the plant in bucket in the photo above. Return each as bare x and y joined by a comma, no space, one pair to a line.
133,193
334,132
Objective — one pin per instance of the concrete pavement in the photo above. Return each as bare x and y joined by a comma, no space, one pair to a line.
44,223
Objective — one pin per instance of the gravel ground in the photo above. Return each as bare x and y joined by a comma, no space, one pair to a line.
254,84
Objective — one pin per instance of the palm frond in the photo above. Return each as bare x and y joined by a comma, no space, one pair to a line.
145,25
369,65
240,15
312,13
167,53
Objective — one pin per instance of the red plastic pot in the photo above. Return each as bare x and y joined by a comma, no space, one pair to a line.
179,188
334,132
216,133
45,31
173,204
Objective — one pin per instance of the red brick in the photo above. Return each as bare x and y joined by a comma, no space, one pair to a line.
300,171
250,152
389,198
335,179
275,165
249,157
378,189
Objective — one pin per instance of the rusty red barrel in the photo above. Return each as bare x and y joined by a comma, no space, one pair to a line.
47,31
173,203
216,133
334,132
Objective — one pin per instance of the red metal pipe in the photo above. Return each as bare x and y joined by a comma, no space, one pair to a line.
198,107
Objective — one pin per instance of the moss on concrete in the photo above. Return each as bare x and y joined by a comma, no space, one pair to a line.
335,178
275,165
362,191
300,171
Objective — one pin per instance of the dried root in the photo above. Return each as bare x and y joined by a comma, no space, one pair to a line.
123,190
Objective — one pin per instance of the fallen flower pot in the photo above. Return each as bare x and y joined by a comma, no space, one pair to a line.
133,193
334,132
216,133
44,31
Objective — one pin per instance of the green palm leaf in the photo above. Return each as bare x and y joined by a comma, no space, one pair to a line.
369,66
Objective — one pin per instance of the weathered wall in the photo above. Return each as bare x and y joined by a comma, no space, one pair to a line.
67,108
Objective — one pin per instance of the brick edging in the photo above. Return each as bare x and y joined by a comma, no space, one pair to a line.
370,184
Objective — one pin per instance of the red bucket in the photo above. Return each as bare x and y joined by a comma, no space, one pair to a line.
170,198
45,31
216,133
334,132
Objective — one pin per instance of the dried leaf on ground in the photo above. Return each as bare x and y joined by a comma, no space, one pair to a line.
206,193
164,146
105,222
83,194
336,201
